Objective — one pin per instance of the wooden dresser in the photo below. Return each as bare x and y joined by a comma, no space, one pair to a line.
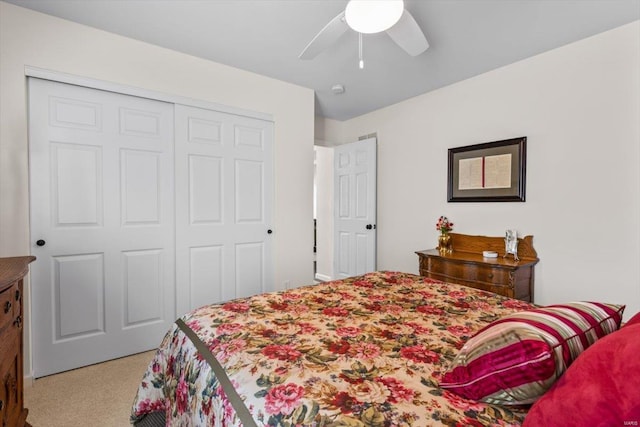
12,272
466,265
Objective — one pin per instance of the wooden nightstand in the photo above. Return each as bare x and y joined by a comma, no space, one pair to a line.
12,272
466,265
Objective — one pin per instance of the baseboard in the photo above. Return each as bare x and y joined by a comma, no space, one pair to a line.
28,380
323,278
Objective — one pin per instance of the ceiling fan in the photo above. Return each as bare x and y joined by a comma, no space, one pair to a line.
369,17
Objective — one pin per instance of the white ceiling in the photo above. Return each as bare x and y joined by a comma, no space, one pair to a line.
467,38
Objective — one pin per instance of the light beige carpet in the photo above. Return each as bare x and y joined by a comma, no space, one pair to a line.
99,395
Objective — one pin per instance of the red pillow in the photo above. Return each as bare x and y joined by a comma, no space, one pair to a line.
516,359
599,389
634,320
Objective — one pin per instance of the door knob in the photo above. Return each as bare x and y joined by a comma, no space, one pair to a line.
369,227
269,231
41,242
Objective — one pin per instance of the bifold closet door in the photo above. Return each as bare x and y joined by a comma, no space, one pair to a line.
224,173
102,224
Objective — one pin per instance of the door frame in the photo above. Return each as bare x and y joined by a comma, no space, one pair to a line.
90,83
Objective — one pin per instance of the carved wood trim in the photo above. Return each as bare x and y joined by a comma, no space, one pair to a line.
477,244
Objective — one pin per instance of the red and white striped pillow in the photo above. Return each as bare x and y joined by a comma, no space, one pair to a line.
514,360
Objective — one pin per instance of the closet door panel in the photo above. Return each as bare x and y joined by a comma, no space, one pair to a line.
102,205
224,182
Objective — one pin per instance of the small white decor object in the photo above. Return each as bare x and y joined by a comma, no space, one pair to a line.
511,244
490,254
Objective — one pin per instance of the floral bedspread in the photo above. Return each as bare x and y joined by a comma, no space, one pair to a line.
364,351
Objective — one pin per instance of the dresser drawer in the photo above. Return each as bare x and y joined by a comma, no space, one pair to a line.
8,307
490,274
449,269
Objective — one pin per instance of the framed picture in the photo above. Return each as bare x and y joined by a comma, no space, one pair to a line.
489,172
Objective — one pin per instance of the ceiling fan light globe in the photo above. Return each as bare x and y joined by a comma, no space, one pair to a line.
373,16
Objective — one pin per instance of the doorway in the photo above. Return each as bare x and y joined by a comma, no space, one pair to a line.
344,209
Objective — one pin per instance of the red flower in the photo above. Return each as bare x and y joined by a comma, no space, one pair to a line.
182,395
291,296
363,284
429,309
459,330
516,304
444,225
339,347
348,331
335,311
461,402
238,307
469,422
283,399
419,329
398,391
345,295
462,304
281,352
228,328
373,307
457,294
280,306
387,334
146,406
418,353
267,333
344,402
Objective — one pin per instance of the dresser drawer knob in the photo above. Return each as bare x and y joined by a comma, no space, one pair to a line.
18,295
7,307
18,322
1,405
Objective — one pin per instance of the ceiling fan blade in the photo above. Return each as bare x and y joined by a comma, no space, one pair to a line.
408,35
325,38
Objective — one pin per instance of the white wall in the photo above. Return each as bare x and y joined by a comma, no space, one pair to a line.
579,107
34,39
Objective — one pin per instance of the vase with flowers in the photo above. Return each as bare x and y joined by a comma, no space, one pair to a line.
444,240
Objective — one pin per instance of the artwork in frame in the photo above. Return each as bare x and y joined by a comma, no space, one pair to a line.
488,172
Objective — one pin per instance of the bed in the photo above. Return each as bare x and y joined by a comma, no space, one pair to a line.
363,351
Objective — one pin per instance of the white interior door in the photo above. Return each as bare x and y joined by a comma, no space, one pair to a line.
224,168
355,208
101,176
